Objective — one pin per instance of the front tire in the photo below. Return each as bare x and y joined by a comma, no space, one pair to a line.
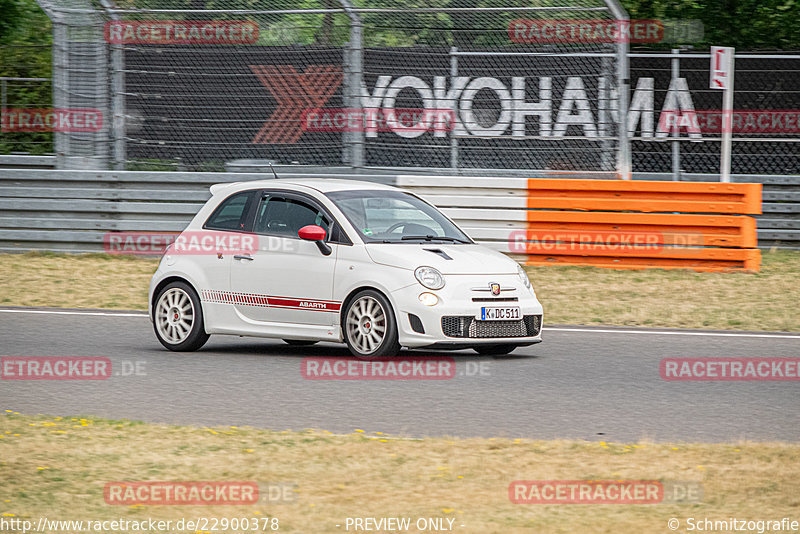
370,329
178,318
494,350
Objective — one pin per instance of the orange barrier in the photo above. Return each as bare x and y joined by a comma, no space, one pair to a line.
672,229
617,224
646,196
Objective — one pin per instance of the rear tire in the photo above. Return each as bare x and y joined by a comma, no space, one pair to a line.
494,350
369,326
178,318
300,342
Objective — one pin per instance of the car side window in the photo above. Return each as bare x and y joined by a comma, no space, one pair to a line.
285,217
231,214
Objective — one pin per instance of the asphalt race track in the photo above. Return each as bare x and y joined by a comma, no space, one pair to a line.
581,382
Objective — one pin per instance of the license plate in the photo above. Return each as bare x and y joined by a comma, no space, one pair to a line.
508,313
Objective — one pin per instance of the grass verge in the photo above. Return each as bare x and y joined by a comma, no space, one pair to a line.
571,295
58,467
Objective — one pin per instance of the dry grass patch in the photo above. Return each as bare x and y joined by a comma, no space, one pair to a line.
571,295
57,467
75,281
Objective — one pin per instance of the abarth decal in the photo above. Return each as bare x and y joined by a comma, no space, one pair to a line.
268,301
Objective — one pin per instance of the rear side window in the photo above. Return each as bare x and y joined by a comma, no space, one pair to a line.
232,213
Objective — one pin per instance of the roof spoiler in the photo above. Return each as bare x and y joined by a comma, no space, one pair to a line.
216,188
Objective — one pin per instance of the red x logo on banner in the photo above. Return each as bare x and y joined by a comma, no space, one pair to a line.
295,93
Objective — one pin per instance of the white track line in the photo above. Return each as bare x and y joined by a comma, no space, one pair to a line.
547,329
53,312
670,333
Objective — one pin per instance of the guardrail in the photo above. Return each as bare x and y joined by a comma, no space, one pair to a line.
604,223
18,161
70,211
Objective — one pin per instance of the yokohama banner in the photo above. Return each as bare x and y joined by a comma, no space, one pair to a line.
287,104
422,107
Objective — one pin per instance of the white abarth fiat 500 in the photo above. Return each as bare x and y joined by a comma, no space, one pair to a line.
366,264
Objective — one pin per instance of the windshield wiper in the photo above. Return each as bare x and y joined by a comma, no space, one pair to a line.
432,238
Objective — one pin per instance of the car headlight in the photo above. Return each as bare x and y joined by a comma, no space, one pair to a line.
429,277
523,277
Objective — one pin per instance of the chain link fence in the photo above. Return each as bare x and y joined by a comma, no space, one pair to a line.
449,85
196,106
517,104
766,119
377,83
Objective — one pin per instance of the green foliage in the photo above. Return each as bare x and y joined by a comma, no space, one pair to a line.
12,12
25,52
744,24
23,22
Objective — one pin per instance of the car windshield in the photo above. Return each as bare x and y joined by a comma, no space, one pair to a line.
385,216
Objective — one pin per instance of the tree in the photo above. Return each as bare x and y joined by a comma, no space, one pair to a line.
12,14
25,52
744,24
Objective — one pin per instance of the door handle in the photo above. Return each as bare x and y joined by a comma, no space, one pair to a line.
243,257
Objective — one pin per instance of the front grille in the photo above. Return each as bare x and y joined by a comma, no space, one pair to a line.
495,299
465,326
454,326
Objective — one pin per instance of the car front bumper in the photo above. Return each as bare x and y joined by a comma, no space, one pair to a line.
460,302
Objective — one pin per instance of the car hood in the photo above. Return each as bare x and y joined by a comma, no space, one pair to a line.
466,259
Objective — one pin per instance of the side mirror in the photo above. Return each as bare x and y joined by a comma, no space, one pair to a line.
317,234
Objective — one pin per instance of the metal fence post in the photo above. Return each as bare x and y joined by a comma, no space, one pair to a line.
605,111
624,166
676,145
80,80
453,138
355,78
117,94
59,76
118,106
347,135
624,170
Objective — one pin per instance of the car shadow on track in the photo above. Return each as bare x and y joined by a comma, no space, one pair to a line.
330,350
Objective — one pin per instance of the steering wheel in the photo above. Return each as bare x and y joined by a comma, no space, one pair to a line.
412,228
395,226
